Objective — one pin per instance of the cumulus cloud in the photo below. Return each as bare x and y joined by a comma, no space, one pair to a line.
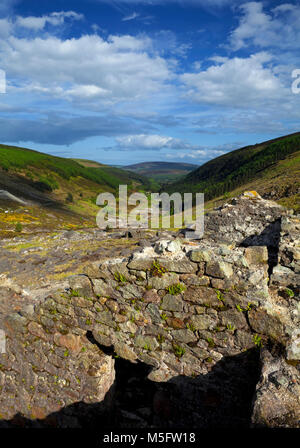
204,153
236,82
280,27
54,19
116,68
6,27
151,142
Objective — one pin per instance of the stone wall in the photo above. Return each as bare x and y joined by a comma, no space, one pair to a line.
180,307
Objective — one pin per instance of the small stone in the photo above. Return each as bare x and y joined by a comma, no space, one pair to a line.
147,342
265,323
37,330
202,296
168,279
195,280
151,296
112,305
234,318
181,265
154,313
201,255
70,341
81,284
203,322
185,336
251,195
105,317
172,303
175,323
219,269
168,246
293,348
125,351
244,339
256,254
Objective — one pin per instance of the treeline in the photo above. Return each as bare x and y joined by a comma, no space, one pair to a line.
232,170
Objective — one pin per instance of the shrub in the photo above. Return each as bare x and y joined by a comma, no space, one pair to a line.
157,270
179,351
176,289
257,341
120,277
18,227
290,292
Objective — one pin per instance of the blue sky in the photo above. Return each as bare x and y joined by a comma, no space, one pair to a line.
127,81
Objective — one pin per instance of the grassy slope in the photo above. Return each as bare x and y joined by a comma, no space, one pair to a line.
60,192
162,172
281,183
266,167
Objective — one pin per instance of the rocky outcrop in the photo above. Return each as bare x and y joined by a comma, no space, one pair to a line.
187,309
277,399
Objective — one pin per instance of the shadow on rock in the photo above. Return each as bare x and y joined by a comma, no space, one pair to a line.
220,399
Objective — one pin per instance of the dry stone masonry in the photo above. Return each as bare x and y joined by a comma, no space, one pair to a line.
196,312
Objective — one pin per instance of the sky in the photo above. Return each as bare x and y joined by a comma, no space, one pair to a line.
127,81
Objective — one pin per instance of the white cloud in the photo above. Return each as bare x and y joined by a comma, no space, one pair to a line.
6,28
236,82
118,68
204,153
146,141
278,28
166,41
54,19
132,16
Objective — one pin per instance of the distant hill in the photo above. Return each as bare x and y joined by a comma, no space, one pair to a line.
272,168
163,172
64,186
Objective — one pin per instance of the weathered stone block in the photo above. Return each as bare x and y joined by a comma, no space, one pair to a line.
172,303
201,296
199,255
256,254
81,284
234,318
219,269
147,342
185,336
182,265
203,322
151,296
125,351
168,279
70,341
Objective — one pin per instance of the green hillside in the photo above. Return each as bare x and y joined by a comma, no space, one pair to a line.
162,172
58,192
14,159
252,164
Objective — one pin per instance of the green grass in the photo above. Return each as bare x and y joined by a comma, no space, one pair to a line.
13,158
222,175
176,289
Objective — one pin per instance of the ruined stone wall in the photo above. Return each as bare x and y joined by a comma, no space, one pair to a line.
180,307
